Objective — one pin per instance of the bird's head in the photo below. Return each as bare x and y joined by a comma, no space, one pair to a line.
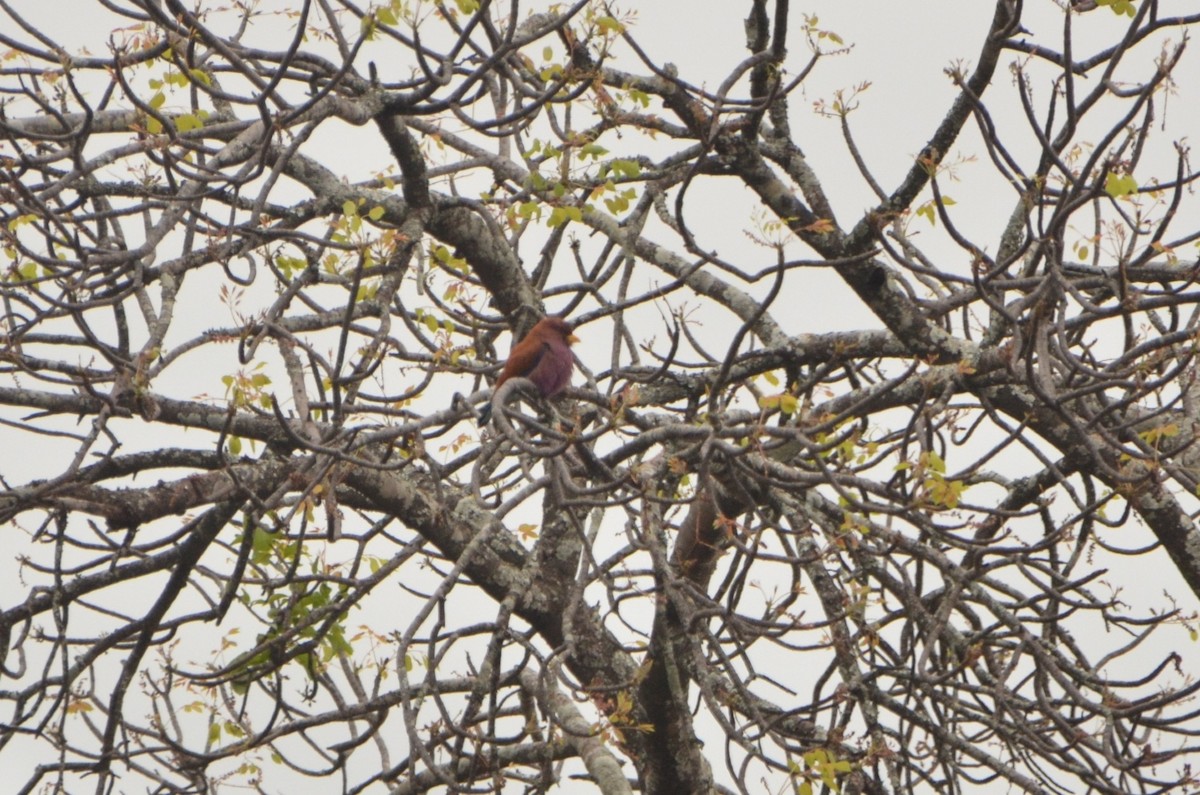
561,327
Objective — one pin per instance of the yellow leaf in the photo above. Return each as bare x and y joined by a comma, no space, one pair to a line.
610,25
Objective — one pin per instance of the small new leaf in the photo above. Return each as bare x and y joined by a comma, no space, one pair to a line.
821,226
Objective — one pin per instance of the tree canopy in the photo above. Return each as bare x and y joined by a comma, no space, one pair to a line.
878,472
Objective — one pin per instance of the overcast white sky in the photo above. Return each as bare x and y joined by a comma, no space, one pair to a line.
901,49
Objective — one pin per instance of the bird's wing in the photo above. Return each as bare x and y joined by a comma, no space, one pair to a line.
553,370
541,356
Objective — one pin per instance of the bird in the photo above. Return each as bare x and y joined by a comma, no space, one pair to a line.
543,356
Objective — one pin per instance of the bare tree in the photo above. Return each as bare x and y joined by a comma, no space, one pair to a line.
261,263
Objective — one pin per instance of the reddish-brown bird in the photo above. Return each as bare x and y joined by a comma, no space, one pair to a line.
543,356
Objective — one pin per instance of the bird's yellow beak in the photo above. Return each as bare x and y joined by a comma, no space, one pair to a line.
572,339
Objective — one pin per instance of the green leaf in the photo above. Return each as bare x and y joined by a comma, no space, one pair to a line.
616,205
261,544
1117,186
1119,7
1152,436
367,291
188,122
927,210
21,220
626,168
562,215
